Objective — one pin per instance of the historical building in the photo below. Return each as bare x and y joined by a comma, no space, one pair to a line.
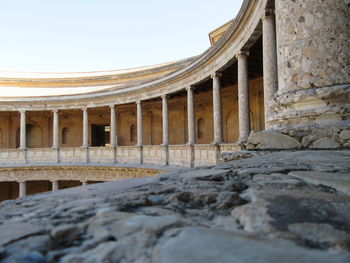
279,72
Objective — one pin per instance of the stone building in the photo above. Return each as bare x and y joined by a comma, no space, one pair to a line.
279,72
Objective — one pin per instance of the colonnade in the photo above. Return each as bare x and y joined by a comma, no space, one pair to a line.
270,80
270,88
54,187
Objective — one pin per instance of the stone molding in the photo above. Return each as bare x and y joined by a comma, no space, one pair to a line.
76,173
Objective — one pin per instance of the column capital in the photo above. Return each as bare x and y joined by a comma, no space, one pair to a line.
55,110
190,88
84,109
242,53
22,111
268,13
164,96
112,106
21,181
216,75
138,102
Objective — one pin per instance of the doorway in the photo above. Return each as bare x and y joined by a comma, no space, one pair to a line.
100,135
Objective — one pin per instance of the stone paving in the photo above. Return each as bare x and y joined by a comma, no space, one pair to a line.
282,206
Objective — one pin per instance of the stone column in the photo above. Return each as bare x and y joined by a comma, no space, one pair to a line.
269,63
22,189
191,116
218,138
85,128
243,96
54,185
165,119
113,131
84,183
139,123
55,143
23,143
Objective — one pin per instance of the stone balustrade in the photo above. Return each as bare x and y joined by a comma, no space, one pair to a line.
179,155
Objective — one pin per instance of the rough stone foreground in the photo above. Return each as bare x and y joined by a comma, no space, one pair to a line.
263,207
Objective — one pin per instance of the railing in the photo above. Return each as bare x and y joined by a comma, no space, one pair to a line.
128,154
41,155
206,155
12,156
179,155
73,155
101,154
154,154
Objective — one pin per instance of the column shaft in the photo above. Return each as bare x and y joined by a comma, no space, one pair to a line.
243,96
139,124
191,116
218,138
85,128
165,114
22,189
23,143
269,63
55,143
54,185
113,131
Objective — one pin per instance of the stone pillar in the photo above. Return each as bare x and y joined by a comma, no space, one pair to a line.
84,183
218,138
22,189
313,44
113,131
55,143
139,124
54,185
191,116
313,65
23,143
243,96
165,114
85,128
269,63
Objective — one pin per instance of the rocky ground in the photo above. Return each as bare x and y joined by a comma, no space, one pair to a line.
261,207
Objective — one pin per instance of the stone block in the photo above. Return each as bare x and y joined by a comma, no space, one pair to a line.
266,140
345,135
212,245
325,143
338,181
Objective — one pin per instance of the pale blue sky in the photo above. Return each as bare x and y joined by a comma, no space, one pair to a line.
90,35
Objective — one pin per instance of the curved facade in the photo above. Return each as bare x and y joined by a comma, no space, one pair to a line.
280,67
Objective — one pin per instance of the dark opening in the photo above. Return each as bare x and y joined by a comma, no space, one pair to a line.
65,132
100,135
